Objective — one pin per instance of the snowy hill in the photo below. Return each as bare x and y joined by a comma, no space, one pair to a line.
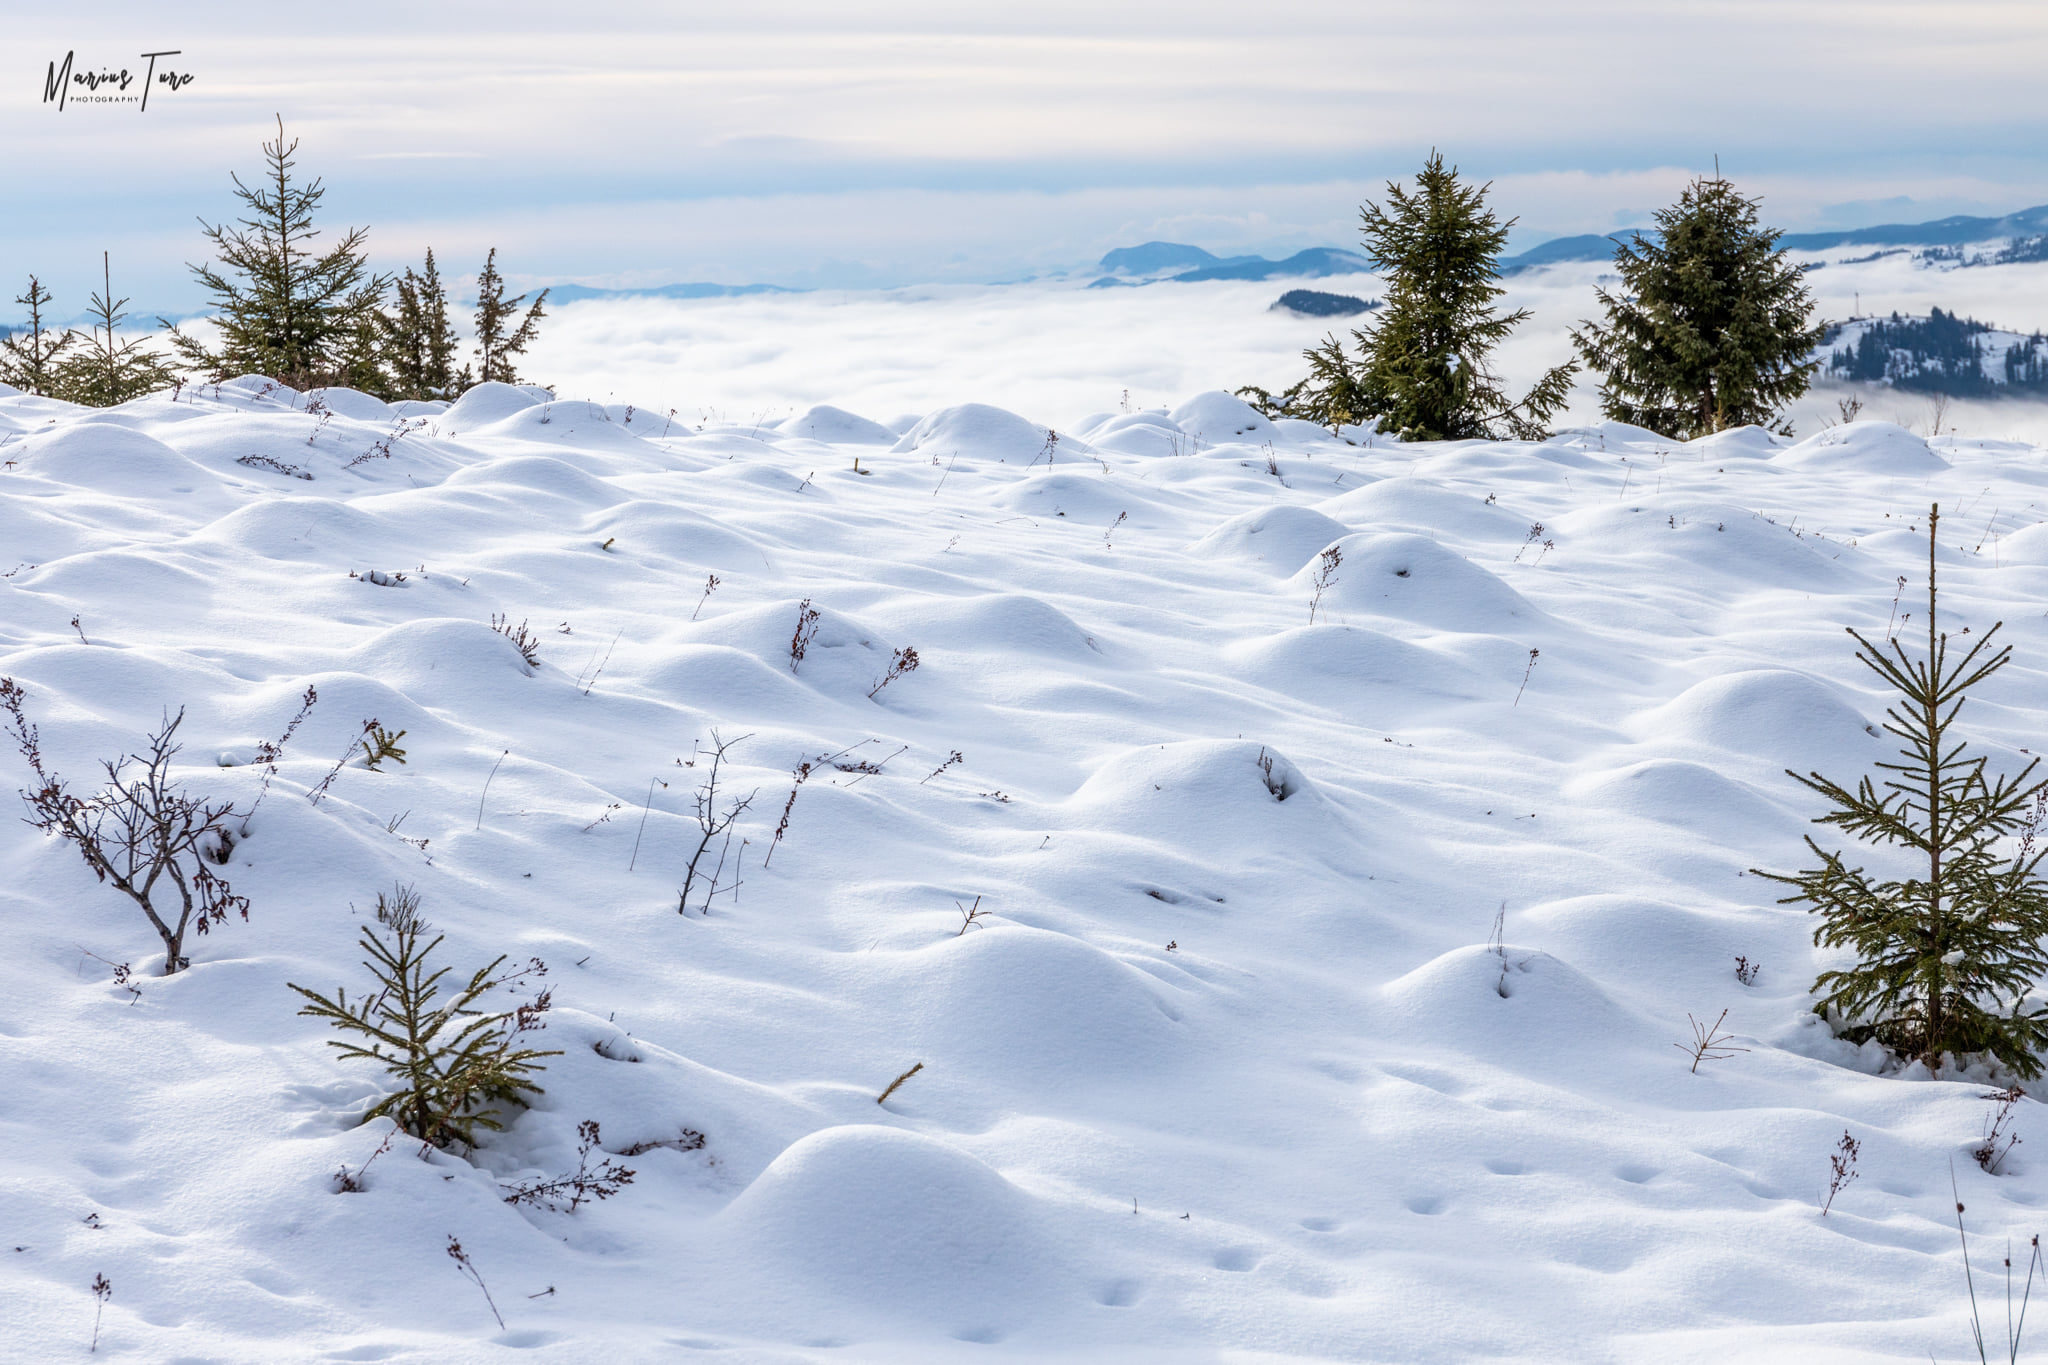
1938,353
1339,911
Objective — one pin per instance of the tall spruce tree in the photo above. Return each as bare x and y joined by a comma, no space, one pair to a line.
108,369
498,343
301,318
1421,365
419,345
29,361
1945,959
1713,326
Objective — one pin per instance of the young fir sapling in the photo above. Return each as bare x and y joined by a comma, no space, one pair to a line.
456,1066
1944,960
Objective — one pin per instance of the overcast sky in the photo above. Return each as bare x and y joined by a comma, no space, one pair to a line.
847,144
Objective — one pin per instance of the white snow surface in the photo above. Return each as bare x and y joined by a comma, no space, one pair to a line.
1222,1075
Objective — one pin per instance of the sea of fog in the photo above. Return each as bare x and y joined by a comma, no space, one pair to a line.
1059,351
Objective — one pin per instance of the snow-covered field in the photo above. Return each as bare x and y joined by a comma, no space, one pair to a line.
1220,1076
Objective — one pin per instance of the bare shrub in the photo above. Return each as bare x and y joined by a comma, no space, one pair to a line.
806,628
586,1184
1326,578
102,1290
970,915
905,661
710,586
142,833
1991,1153
801,773
527,643
1708,1043
1841,1168
713,821
474,1276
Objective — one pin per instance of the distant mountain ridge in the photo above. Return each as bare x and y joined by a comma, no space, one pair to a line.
1956,230
573,293
1191,264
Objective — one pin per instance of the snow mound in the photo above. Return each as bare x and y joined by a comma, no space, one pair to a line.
1737,443
488,403
1090,500
1787,718
2028,545
1279,540
836,426
1691,796
1415,579
112,459
1534,1015
1219,418
1041,1009
993,623
1211,792
1141,433
1865,448
976,429
898,1225
1346,667
1427,506
352,403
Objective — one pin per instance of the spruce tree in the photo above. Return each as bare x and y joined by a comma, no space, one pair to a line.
29,361
1713,326
1421,365
107,369
498,344
419,345
1945,959
284,311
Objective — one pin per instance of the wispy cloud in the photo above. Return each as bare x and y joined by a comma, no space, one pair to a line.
805,141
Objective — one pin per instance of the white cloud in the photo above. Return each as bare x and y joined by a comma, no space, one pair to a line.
806,141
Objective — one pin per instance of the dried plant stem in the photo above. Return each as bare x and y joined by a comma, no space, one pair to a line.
898,1081
487,789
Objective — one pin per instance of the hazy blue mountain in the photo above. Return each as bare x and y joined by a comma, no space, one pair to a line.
571,293
1153,257
1590,247
1953,231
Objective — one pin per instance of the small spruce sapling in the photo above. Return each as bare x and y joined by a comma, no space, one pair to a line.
456,1066
30,360
379,745
1944,960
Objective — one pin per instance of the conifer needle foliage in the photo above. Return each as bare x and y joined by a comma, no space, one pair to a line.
302,316
1421,365
1946,958
1713,326
455,1065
